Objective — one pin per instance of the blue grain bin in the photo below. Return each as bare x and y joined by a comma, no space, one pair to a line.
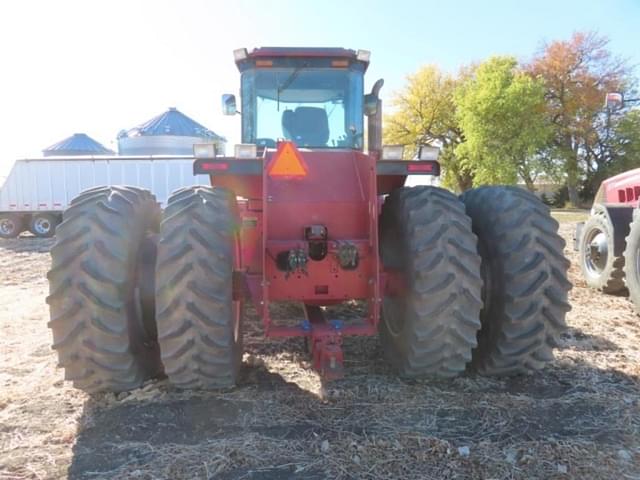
77,144
171,133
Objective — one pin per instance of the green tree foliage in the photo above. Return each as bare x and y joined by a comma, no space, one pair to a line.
625,144
424,113
501,112
499,121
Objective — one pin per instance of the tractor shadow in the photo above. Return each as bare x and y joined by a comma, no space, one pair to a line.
118,436
577,339
175,433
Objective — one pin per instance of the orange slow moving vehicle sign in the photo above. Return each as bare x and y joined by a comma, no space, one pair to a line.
287,162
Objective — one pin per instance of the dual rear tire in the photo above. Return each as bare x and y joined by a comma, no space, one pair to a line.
429,321
102,326
525,285
199,323
105,291
484,281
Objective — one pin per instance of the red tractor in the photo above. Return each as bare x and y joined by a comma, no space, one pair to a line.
609,241
302,213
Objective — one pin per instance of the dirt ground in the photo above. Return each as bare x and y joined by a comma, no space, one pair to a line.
579,418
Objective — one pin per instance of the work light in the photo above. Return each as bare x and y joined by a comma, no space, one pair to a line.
204,150
363,55
246,150
392,152
613,100
240,54
427,152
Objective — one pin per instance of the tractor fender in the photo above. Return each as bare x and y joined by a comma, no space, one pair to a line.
620,218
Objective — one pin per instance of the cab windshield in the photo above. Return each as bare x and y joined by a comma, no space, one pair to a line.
313,107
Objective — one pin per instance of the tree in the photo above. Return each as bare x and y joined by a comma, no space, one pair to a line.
576,75
424,113
612,147
500,109
624,145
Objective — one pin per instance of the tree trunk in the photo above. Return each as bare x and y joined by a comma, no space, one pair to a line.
465,181
530,185
524,171
572,179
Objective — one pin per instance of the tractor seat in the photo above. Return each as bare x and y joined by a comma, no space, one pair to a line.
307,126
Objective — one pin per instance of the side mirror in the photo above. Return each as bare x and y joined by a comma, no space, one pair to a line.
370,104
371,99
229,104
613,101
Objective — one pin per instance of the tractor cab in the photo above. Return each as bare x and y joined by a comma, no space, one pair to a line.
311,96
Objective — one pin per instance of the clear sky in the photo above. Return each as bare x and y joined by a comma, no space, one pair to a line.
99,67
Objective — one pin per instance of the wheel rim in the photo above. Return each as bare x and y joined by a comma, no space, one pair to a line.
7,226
596,252
42,225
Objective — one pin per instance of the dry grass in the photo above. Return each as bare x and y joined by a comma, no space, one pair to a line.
580,418
570,215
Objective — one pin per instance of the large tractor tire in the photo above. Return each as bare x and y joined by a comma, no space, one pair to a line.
199,323
430,317
11,225
632,261
601,269
525,280
102,322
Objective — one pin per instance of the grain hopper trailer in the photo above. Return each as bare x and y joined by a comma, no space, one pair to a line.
38,190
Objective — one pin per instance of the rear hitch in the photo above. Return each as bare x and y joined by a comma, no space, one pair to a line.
324,342
328,359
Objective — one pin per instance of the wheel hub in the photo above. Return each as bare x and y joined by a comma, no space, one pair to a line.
7,227
42,226
597,252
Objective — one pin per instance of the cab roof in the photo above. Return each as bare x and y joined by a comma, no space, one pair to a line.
272,52
322,56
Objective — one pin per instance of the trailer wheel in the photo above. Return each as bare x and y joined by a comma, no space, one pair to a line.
632,261
11,225
525,280
43,225
102,327
432,302
199,323
601,269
